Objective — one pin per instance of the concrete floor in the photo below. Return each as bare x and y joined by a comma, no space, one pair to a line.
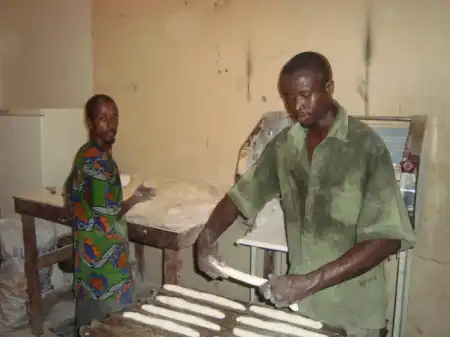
27,333
142,289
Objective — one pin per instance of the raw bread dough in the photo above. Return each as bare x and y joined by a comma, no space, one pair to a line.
244,277
277,327
286,317
179,316
185,305
161,324
218,300
245,333
238,275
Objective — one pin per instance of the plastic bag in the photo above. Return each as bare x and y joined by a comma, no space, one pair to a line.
13,295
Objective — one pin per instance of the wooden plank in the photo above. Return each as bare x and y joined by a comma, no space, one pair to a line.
35,313
157,237
42,211
58,255
172,266
128,328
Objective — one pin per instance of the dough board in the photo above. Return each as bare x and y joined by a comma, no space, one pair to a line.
116,325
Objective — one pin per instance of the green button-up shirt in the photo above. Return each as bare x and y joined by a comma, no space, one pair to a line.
346,194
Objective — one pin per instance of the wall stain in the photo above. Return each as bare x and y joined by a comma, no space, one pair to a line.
249,71
218,3
134,87
263,99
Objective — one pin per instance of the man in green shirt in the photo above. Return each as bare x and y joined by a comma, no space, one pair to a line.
344,214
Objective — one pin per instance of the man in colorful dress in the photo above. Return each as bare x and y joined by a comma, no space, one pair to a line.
343,210
102,276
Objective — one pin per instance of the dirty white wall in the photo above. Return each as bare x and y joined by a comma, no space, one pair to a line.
45,53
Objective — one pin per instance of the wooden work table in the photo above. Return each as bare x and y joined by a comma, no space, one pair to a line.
50,207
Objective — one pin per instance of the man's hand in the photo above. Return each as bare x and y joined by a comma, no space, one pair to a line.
204,258
283,291
143,193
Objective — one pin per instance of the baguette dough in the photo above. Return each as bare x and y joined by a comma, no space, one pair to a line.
245,333
285,317
277,327
179,316
252,280
193,307
218,300
161,324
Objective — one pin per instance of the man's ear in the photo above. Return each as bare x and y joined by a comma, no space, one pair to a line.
329,87
89,124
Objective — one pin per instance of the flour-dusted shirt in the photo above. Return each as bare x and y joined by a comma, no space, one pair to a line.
346,194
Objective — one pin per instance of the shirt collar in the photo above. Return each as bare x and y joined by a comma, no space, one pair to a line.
338,130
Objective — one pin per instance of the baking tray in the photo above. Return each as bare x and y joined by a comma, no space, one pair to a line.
117,326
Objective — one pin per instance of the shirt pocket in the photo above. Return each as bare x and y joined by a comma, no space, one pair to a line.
346,205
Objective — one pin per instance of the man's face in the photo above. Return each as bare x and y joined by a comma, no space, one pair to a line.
105,123
305,97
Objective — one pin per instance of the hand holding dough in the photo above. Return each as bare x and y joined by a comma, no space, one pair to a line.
252,280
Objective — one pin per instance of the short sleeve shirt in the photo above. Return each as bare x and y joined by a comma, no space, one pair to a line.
346,194
101,266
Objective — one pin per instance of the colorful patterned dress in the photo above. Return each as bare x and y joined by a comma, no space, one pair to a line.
94,192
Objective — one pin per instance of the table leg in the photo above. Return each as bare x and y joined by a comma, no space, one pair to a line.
172,265
140,261
35,312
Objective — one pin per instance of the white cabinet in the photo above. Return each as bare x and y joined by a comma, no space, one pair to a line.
37,148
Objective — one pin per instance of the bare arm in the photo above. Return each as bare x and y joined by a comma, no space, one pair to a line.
247,197
222,217
357,261
127,205
141,194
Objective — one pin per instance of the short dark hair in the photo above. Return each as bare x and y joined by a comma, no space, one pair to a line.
91,106
310,60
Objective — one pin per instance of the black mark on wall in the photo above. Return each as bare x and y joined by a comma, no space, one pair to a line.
249,71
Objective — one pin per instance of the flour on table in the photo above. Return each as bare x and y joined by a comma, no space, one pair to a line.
186,190
277,327
245,333
192,307
180,316
218,300
286,317
163,324
178,205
